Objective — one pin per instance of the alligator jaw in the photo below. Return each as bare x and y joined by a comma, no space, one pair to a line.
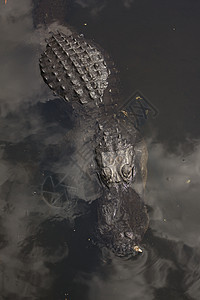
122,220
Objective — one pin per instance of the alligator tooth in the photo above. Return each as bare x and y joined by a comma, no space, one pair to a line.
137,249
62,87
55,73
58,79
50,85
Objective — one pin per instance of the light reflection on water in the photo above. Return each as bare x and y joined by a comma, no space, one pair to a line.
45,252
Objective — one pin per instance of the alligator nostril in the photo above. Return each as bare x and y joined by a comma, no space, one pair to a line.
129,234
137,249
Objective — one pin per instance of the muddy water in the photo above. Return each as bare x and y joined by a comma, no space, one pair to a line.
46,250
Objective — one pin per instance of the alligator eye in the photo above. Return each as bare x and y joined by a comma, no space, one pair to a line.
106,173
129,235
126,171
119,159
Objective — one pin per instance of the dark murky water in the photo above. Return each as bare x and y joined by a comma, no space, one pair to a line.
46,252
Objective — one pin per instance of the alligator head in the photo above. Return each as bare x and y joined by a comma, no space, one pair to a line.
122,215
116,166
122,220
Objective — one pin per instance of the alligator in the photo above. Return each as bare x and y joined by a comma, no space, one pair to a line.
82,74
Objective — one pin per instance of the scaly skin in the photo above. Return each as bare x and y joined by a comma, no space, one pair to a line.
76,70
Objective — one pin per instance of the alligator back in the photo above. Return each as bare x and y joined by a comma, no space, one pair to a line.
74,69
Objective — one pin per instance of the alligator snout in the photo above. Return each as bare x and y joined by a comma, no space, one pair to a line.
122,220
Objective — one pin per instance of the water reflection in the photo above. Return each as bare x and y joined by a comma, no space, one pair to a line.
96,6
46,252
176,202
19,78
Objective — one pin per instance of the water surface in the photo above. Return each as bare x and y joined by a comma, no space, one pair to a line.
46,251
